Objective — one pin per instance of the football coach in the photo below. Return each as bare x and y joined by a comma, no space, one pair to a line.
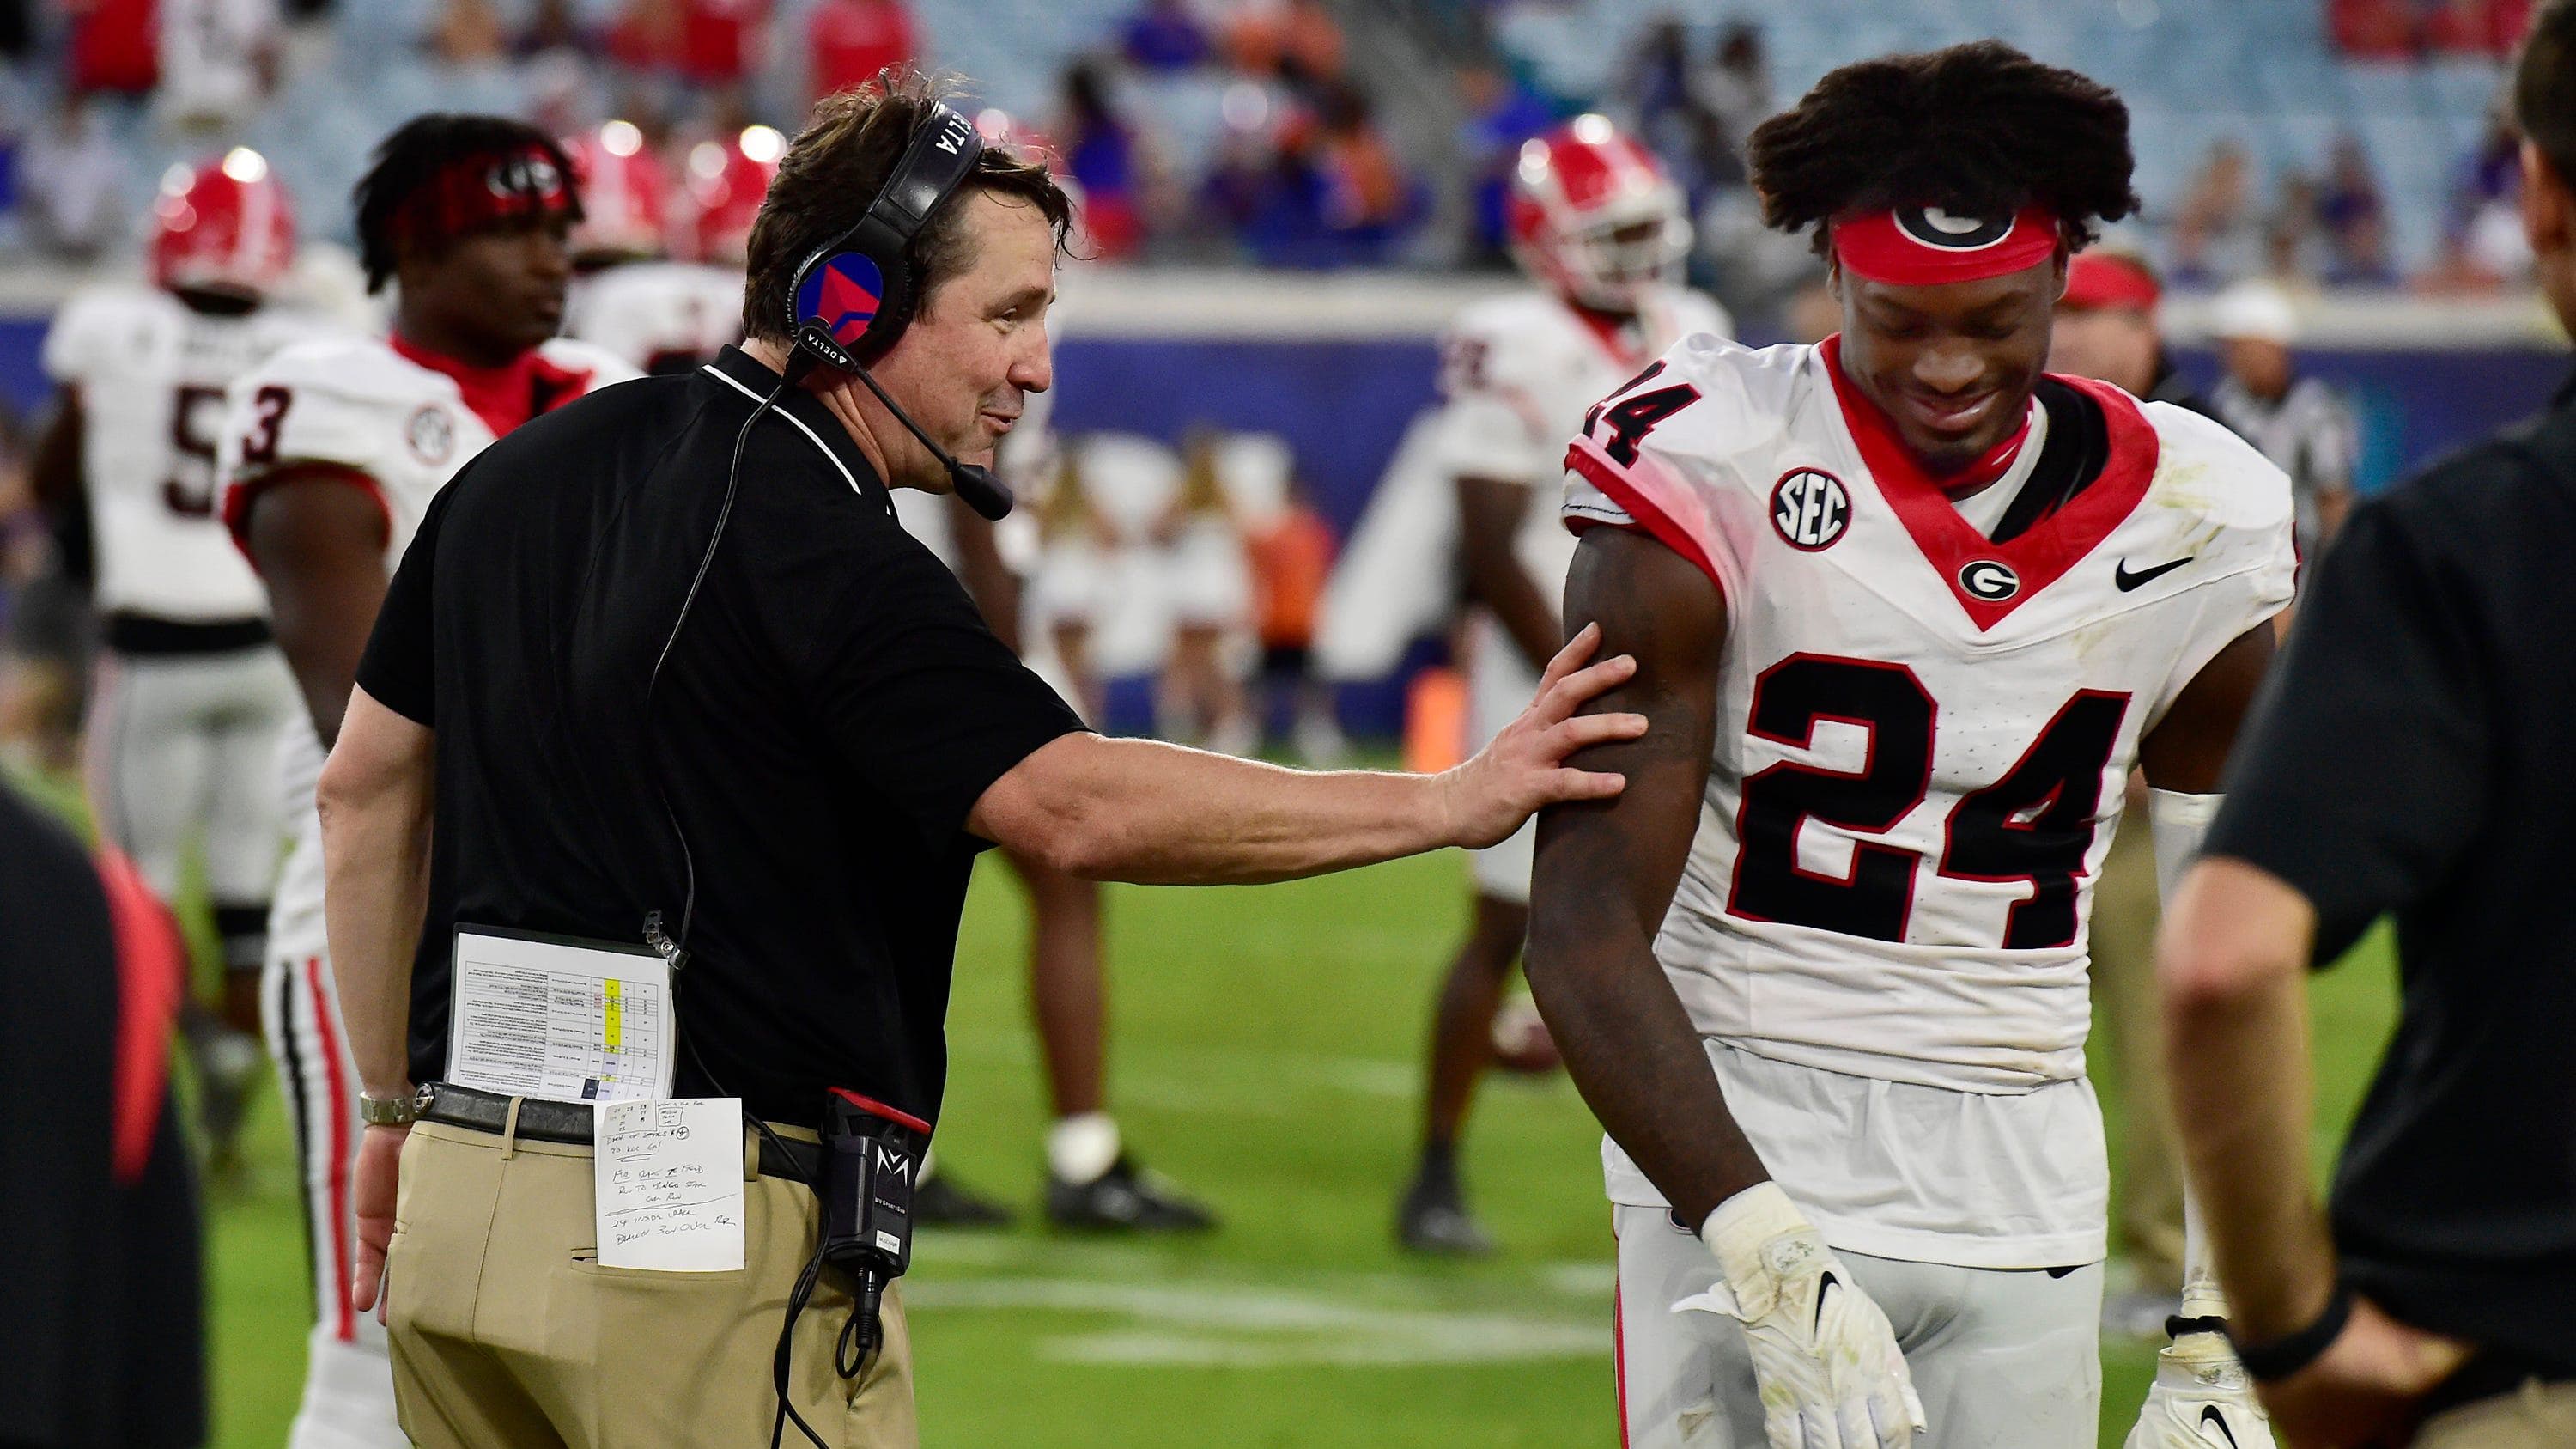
662,676
2411,758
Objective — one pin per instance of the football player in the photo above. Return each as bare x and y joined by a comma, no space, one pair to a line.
1601,232
1906,610
331,452
628,296
190,691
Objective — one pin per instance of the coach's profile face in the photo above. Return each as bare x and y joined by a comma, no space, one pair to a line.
1951,364
977,347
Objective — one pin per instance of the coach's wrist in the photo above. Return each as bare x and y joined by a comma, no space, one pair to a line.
396,1108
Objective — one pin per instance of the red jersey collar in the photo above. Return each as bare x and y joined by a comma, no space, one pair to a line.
507,395
1991,579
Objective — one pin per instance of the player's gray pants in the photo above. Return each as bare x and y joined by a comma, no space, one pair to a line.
2003,1360
184,746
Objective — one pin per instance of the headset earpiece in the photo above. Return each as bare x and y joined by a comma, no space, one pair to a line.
855,295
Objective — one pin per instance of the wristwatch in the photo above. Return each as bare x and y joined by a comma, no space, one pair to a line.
397,1111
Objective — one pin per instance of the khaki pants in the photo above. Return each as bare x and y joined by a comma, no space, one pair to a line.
2149,1212
2535,1416
507,1334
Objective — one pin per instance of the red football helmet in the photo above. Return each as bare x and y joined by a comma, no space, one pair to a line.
727,182
1594,216
624,192
225,226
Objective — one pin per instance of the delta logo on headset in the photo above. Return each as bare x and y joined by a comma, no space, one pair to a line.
842,294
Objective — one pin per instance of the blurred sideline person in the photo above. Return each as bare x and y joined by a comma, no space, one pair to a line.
1600,231
331,453
2106,328
190,692
1092,1180
2411,761
2298,422
1199,696
1291,553
1906,612
629,296
101,1262
843,736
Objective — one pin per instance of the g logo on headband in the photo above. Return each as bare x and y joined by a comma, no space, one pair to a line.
1933,227
529,174
843,293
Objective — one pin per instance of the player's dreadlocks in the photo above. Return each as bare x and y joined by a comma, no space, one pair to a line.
1976,130
417,153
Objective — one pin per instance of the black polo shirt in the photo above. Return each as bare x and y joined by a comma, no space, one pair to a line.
829,715
2411,756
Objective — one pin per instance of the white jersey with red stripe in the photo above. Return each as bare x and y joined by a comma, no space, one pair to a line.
1517,372
383,423
657,316
1921,741
151,373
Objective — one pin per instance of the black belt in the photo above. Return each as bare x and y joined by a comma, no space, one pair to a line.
147,635
569,1122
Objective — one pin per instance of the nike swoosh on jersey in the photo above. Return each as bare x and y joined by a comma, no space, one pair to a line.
2127,580
2209,1415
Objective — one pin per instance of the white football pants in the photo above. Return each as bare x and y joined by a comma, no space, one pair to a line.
2002,1359
183,747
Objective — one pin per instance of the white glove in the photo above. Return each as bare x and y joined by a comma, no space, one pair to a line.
2202,1399
1827,1365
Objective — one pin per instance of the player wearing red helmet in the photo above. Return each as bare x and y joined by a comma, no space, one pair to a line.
191,693
331,453
1599,226
629,296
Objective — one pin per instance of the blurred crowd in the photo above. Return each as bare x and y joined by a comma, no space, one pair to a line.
2406,30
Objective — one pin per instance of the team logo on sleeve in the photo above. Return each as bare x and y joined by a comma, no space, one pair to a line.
1989,580
1810,508
431,434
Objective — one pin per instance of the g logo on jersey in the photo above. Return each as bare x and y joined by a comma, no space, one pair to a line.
431,434
1935,228
1989,580
1810,508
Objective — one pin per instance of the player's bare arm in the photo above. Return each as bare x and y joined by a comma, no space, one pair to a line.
989,581
1490,512
1158,814
1607,870
54,467
320,543
2187,751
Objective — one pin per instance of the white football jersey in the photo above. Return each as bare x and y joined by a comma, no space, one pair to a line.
151,373
390,426
1516,374
1921,735
658,316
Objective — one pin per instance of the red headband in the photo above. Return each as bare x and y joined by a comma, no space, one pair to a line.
474,192
1921,246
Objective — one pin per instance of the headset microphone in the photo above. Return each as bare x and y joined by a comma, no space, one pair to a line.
983,492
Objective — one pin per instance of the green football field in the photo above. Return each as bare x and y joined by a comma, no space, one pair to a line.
1266,1054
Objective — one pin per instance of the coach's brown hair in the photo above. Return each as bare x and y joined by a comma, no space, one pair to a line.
2544,87
836,167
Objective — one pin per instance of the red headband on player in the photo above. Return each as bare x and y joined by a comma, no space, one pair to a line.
1922,246
475,192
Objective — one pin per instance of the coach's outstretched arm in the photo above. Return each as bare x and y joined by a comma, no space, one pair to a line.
1158,814
1831,1374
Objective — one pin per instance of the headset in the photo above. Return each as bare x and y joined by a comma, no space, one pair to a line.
851,302
856,294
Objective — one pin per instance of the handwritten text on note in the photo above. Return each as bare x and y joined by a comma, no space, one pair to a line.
669,1184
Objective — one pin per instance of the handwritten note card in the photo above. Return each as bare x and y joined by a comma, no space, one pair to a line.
669,1184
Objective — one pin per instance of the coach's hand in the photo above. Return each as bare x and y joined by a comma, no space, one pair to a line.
372,1191
1523,767
2368,1386
1824,1359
